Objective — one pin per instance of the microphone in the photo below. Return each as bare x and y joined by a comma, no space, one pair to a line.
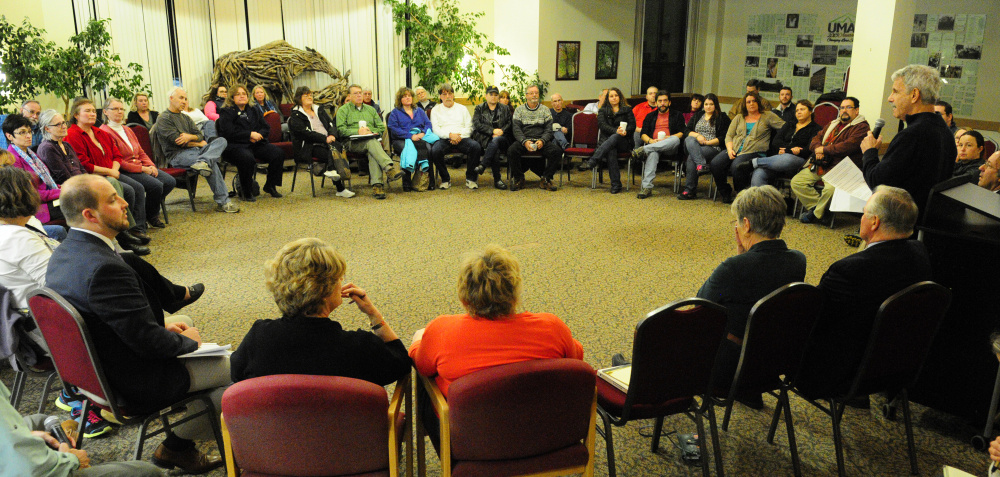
54,427
878,127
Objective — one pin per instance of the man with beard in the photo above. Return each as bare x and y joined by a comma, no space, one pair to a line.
786,108
137,350
661,133
533,133
838,140
29,109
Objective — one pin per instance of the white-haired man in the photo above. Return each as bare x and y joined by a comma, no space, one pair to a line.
184,145
924,153
29,109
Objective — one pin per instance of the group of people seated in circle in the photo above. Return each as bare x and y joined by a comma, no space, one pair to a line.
308,280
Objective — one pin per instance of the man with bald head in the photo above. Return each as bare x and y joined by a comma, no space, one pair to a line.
562,121
137,349
184,145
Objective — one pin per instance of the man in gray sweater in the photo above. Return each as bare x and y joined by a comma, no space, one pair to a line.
533,136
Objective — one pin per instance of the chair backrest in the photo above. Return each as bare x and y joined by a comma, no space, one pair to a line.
274,123
575,107
777,331
293,424
157,152
69,344
520,410
585,129
904,330
673,352
286,109
823,113
989,147
142,134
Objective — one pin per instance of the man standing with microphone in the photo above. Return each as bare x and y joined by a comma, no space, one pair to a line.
921,155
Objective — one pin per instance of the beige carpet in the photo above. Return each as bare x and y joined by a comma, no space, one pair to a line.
598,261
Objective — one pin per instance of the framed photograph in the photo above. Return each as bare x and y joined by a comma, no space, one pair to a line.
607,60
792,21
567,60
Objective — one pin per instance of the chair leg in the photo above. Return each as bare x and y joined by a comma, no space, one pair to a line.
910,447
20,377
192,187
701,443
838,444
295,175
657,429
609,442
84,410
789,427
141,439
163,207
774,418
728,413
716,447
46,389
593,177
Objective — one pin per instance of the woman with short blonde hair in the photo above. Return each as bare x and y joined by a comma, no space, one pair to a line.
306,278
141,111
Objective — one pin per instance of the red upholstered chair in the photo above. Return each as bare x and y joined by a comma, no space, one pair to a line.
901,338
42,366
777,331
583,141
77,363
823,113
989,147
535,417
274,136
575,107
673,353
286,109
293,424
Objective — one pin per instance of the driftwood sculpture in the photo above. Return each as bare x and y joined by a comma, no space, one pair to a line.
274,66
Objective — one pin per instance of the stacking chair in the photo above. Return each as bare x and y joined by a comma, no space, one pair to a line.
274,135
825,112
901,337
583,141
22,352
534,417
78,365
777,330
307,166
673,352
293,424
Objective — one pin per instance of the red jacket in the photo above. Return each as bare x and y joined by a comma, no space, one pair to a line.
133,156
88,152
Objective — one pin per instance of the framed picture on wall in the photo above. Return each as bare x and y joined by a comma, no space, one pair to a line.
567,60
607,60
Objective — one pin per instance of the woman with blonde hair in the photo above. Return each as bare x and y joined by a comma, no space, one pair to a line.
491,332
142,111
306,278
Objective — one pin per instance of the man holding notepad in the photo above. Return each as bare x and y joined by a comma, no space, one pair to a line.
138,352
360,123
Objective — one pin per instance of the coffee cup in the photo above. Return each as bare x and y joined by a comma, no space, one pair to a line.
661,135
362,124
623,125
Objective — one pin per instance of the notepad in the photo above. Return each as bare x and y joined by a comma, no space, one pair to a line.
207,350
617,376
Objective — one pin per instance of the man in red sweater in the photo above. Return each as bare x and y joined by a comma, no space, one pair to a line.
641,110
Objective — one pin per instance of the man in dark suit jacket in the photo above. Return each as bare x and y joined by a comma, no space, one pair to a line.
855,287
762,265
138,353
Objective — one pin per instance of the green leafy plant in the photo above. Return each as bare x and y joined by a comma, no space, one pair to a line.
448,47
86,66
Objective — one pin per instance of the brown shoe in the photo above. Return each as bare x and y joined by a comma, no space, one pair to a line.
191,461
378,190
393,173
517,184
547,185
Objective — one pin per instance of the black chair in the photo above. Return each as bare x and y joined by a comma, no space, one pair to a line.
777,331
901,337
673,352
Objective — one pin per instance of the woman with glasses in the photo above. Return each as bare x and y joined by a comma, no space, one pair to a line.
17,131
136,164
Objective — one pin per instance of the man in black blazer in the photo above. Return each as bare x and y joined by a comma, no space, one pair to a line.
855,287
138,353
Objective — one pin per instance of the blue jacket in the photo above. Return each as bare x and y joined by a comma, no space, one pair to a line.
400,124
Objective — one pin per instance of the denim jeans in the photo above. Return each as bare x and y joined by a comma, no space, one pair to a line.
608,152
699,152
156,189
209,154
560,139
771,167
668,145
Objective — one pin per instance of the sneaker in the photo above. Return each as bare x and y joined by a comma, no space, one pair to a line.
94,426
332,174
639,153
471,184
444,185
701,168
378,190
687,195
808,217
203,168
346,193
853,240
618,360
645,193
499,184
229,207
66,402
393,173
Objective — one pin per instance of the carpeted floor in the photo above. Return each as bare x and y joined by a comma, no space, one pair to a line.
598,261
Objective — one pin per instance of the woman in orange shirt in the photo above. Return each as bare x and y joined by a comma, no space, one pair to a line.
491,333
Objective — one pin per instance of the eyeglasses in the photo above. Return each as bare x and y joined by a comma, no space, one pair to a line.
58,125
116,109
847,108
22,132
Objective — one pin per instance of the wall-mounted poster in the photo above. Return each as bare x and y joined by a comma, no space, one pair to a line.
952,43
607,60
567,60
801,52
